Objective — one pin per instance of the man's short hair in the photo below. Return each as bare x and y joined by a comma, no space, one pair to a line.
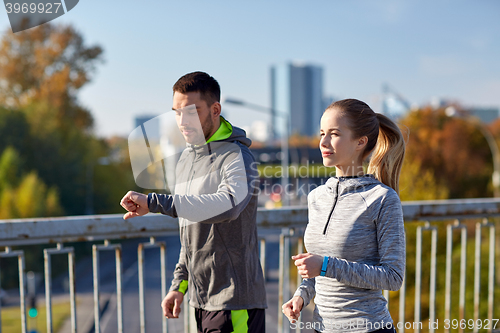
201,82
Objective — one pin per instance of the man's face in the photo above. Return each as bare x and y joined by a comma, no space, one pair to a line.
194,117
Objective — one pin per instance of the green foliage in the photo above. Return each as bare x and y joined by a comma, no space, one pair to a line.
6,199
15,131
24,195
418,184
10,167
31,199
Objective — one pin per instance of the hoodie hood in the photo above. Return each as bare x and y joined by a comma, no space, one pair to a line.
238,135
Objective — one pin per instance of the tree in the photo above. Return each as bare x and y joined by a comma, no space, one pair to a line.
41,72
453,150
10,168
15,131
24,195
47,65
31,198
416,183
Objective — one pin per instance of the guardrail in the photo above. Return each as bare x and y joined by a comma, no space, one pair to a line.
108,227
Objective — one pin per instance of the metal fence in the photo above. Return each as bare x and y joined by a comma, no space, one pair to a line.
292,222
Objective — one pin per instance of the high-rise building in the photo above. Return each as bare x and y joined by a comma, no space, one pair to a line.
297,90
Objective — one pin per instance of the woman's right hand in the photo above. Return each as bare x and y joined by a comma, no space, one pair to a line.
292,308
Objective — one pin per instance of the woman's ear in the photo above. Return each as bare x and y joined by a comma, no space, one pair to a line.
362,141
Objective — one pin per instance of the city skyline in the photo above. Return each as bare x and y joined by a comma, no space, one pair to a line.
423,49
297,90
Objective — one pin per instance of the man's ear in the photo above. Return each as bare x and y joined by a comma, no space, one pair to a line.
362,142
215,109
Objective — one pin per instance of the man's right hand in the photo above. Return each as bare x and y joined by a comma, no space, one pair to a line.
171,304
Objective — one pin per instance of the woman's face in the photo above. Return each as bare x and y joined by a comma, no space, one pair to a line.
337,145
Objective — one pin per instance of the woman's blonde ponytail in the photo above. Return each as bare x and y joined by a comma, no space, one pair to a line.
387,158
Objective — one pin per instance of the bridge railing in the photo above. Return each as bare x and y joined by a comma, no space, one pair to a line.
423,215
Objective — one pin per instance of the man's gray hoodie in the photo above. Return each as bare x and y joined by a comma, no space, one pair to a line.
357,222
217,207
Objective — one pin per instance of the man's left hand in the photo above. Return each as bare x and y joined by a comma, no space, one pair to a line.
135,203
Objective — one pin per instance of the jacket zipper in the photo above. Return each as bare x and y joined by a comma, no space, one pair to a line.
333,208
190,275
191,175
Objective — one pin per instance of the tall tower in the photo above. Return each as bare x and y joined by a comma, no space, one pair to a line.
297,90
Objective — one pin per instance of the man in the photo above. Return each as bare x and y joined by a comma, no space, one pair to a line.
215,201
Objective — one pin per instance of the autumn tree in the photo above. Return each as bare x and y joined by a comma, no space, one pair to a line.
47,66
452,152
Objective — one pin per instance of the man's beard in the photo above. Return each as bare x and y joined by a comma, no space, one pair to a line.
209,126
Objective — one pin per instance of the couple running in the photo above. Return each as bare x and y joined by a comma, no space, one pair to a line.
354,238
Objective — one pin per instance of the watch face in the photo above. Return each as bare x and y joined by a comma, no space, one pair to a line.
26,14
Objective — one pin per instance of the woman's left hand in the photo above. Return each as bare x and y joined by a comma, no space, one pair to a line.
308,264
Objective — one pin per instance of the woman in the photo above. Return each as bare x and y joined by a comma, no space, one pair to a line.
355,234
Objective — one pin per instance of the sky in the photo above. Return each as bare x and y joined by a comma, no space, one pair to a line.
423,49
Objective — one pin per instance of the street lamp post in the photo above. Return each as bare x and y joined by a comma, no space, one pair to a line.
495,151
284,139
